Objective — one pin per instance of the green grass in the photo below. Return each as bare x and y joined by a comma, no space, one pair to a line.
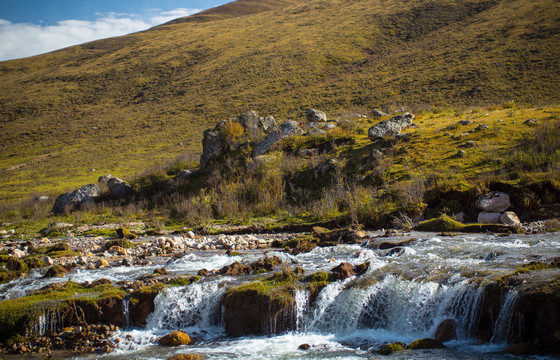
128,104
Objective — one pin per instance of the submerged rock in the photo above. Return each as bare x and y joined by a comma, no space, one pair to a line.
446,330
388,349
176,338
346,270
425,344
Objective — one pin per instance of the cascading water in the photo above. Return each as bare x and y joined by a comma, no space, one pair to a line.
505,320
400,298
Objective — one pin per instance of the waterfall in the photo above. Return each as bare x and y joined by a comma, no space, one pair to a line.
301,298
126,312
399,306
48,320
197,305
505,321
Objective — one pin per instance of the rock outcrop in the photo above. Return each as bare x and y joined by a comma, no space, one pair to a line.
390,127
213,145
72,200
287,129
315,115
253,123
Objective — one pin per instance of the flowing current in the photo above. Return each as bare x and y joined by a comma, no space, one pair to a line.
401,297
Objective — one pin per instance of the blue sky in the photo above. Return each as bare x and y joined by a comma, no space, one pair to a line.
31,27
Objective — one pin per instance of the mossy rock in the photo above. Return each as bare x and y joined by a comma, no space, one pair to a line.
125,244
6,276
184,280
124,233
319,277
388,349
55,271
34,263
16,265
425,344
442,223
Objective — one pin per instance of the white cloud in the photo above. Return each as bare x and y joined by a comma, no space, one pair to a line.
19,40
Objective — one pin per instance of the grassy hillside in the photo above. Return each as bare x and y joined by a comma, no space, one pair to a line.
126,104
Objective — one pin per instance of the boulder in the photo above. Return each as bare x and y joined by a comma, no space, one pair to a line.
425,344
17,253
213,145
119,189
55,271
253,123
510,218
315,115
390,127
388,349
346,270
377,113
117,250
446,330
175,338
494,202
485,217
235,269
460,217
287,129
101,263
76,198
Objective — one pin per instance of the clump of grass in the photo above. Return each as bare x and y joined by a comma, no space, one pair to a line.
442,223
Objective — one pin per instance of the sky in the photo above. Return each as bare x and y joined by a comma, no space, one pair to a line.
32,27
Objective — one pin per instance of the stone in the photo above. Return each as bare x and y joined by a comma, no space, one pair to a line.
460,217
117,250
388,349
395,252
345,270
41,198
425,344
465,122
510,218
460,153
287,129
326,166
315,115
235,269
268,124
213,145
481,127
390,127
76,198
304,347
101,263
17,253
377,113
55,271
119,189
249,120
48,261
104,178
190,234
446,330
494,202
175,338
45,241
184,175
485,217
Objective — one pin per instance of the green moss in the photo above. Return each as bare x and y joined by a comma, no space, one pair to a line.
425,344
119,242
319,277
388,349
124,233
442,223
184,280
18,315
17,265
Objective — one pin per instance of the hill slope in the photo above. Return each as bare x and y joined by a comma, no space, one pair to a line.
124,104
